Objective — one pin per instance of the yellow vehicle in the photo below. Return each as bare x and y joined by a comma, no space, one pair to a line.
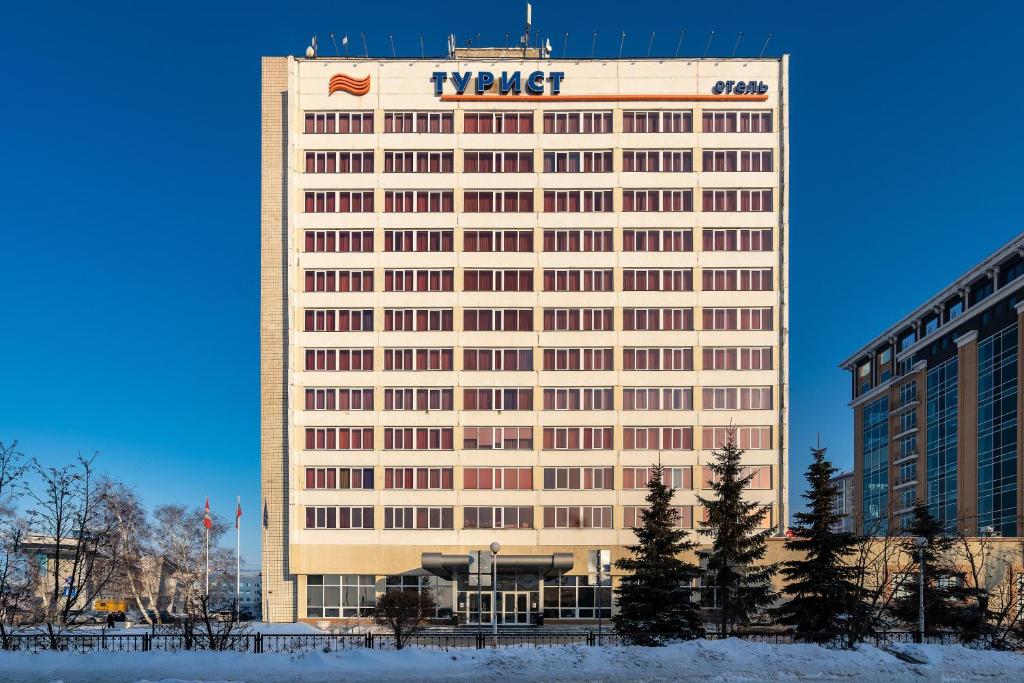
110,605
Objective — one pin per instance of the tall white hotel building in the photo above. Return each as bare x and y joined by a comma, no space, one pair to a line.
495,289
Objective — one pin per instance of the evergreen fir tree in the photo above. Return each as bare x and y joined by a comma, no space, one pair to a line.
654,592
820,584
744,587
939,599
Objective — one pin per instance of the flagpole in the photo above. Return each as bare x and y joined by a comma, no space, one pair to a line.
238,554
207,564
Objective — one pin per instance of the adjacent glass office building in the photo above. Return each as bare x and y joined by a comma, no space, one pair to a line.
936,404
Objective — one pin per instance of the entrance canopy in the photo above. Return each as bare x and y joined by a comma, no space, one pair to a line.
447,566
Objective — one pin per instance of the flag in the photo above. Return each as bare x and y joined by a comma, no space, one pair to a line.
207,520
238,511
344,40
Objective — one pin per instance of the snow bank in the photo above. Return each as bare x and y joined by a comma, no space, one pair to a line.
726,660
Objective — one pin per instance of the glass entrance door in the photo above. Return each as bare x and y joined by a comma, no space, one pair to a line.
515,607
478,608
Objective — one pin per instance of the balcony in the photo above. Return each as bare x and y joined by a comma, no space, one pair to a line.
900,459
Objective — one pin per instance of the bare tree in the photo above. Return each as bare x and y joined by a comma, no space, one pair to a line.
18,577
12,467
133,535
404,613
70,519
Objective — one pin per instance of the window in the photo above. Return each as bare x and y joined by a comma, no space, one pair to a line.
339,517
339,122
419,161
577,240
417,438
760,476
497,438
418,359
344,595
497,201
657,398
736,280
577,597
657,319
577,359
732,160
737,318
632,516
579,478
657,121
419,122
657,438
657,160
497,518
737,358
338,320
418,478
492,319
737,121
339,201
515,161
338,281
658,358
908,393
339,162
419,201
578,398
339,477
339,438
657,240
575,517
497,359
497,240
418,398
417,319
419,240
578,438
339,360
343,241
497,399
738,239
737,200
342,398
578,280
675,280
747,438
562,201
585,161
578,122
497,478
498,122
736,398
418,517
635,478
497,280
419,280
657,200
568,319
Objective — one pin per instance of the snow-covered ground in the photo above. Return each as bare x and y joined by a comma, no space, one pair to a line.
726,660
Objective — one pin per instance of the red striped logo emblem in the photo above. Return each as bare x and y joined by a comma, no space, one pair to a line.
345,83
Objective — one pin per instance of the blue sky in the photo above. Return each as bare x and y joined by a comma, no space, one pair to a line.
129,291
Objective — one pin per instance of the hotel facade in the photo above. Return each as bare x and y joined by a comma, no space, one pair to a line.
936,406
496,289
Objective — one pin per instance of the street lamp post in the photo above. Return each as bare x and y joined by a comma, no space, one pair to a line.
495,547
921,544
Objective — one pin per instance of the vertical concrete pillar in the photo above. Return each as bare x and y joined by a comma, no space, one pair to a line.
858,468
967,431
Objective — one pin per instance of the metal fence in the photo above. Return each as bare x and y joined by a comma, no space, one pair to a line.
328,642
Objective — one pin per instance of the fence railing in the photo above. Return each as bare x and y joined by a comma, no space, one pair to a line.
330,642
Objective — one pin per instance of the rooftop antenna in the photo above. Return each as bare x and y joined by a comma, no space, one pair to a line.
547,48
478,43
679,45
766,44
336,53
312,48
344,43
423,51
593,45
391,38
650,45
536,35
366,51
622,42
526,33
565,43
707,46
739,37
506,40
451,45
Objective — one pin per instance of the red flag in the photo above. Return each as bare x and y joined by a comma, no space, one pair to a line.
238,512
207,520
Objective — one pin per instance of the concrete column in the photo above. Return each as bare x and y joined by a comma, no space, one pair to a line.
967,432
858,468
1020,417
